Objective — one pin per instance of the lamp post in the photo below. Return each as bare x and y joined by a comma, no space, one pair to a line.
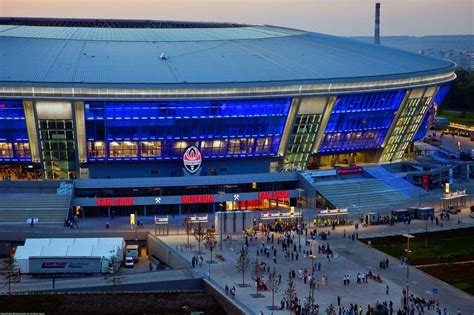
313,256
358,198
221,193
136,226
300,217
407,302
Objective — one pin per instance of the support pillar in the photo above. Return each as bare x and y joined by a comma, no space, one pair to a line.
180,206
108,212
144,210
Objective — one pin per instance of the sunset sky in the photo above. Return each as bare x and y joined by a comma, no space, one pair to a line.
339,17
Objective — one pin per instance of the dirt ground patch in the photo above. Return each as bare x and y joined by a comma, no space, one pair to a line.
127,303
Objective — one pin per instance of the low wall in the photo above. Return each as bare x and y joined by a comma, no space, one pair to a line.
167,254
230,305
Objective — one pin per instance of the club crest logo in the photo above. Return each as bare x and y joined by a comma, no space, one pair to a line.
192,159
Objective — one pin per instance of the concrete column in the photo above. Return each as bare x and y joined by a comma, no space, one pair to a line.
144,210
180,206
108,212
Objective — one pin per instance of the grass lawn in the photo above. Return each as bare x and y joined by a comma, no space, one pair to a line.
455,117
458,275
127,303
445,246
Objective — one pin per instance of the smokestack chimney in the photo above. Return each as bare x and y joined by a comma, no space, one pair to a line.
377,24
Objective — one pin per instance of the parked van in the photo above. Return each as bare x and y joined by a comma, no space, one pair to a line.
132,251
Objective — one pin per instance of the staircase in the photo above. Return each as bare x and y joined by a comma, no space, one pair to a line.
361,194
21,201
396,182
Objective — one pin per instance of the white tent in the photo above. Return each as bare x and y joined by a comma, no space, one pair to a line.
69,247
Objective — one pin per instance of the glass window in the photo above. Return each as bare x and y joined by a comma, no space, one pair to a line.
363,121
171,126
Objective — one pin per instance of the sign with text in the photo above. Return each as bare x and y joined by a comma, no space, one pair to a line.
278,215
120,201
161,220
197,199
349,170
333,211
199,219
273,194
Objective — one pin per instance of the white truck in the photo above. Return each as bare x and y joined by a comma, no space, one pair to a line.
132,251
65,265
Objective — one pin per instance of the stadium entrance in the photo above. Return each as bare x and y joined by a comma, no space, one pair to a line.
20,172
343,159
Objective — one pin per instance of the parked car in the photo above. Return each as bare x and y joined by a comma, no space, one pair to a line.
471,215
129,262
454,210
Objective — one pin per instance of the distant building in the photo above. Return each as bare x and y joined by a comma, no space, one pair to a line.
463,59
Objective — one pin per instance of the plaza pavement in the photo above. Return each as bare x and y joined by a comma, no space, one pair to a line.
350,258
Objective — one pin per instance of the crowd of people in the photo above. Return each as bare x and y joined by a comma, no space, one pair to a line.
280,241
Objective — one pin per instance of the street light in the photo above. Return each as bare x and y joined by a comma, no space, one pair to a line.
358,199
407,302
221,193
299,190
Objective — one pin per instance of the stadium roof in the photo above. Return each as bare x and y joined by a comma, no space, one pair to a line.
104,53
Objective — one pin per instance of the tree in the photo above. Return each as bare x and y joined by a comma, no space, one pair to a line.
111,271
10,272
290,294
199,234
310,303
257,276
243,264
188,225
273,285
210,243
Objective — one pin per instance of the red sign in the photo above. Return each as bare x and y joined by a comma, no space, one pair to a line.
53,264
197,199
425,182
349,170
273,194
121,201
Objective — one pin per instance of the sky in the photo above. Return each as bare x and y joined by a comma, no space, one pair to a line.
337,17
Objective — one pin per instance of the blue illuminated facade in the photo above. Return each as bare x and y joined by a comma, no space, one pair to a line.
438,99
360,122
14,144
117,131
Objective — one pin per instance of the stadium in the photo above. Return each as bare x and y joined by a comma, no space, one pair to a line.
212,109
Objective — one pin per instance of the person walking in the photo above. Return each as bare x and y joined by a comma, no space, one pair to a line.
387,290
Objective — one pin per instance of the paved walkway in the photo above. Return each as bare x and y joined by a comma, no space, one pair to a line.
352,257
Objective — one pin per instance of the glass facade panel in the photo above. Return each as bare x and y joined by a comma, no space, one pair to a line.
301,140
407,125
427,120
163,130
58,148
360,122
14,145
